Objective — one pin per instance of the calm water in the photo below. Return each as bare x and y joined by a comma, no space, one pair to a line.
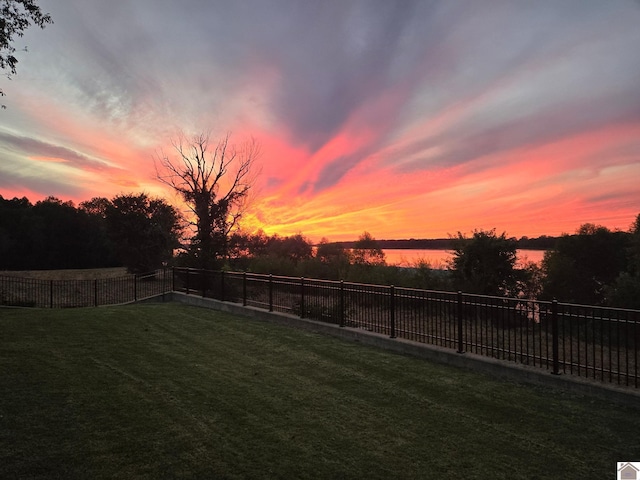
438,258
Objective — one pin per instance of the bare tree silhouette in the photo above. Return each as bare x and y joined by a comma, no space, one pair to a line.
214,184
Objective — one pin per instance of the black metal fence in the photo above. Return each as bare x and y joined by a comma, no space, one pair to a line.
33,292
595,342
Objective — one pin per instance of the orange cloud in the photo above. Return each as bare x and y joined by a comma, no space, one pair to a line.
547,189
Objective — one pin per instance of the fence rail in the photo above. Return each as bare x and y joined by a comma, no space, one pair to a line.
598,343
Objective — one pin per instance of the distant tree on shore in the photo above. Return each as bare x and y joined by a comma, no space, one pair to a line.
485,263
367,251
581,267
625,290
327,252
295,248
269,254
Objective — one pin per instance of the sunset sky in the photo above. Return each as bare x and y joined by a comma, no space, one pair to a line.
405,119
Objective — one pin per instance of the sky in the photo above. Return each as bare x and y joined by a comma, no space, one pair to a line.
406,119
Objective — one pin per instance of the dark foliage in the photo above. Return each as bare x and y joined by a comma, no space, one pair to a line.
485,264
625,290
132,230
581,267
144,230
51,235
296,256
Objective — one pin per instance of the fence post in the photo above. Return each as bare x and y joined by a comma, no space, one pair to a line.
95,292
244,289
270,292
203,279
222,285
173,279
135,287
342,319
301,297
554,337
51,293
165,283
459,322
187,270
392,292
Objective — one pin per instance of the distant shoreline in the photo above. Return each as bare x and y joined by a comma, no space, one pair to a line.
523,243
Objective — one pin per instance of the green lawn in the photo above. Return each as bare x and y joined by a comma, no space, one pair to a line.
166,391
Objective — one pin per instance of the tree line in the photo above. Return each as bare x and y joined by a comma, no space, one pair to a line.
132,230
593,266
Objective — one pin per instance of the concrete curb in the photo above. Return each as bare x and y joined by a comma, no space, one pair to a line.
513,372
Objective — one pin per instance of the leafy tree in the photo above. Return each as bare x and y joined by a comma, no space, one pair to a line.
423,275
51,234
330,261
530,281
244,246
634,247
333,254
294,248
485,264
15,17
367,251
96,206
59,233
330,252
214,185
581,267
144,230
278,255
14,222
625,291
97,238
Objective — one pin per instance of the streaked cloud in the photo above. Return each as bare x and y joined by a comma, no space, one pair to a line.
37,148
404,118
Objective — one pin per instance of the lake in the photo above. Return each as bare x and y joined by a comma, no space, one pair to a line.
438,258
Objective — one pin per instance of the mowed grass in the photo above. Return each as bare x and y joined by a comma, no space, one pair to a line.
68,274
170,391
